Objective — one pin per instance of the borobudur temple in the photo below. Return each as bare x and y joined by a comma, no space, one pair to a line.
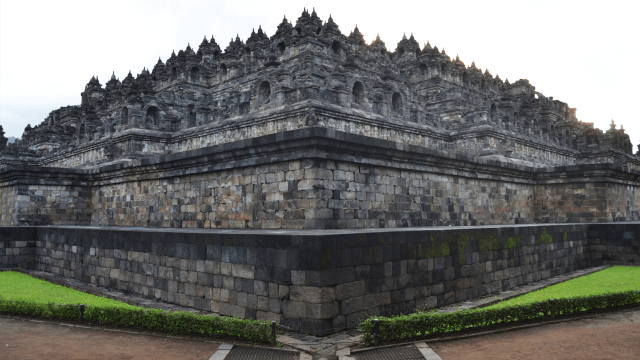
369,151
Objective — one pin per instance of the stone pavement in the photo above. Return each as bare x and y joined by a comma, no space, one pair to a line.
321,347
413,351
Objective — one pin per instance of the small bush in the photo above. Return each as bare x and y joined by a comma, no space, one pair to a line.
180,322
428,323
24,295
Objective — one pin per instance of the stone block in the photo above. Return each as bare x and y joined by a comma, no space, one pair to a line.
273,290
232,310
241,299
283,291
228,282
323,311
275,305
298,277
226,268
293,309
260,288
352,305
263,303
312,294
269,316
242,271
350,290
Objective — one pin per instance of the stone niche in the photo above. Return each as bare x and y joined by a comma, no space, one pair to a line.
317,282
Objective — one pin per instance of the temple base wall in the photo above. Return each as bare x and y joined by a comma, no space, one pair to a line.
317,282
316,179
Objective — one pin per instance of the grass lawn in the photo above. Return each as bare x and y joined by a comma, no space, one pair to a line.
18,286
611,280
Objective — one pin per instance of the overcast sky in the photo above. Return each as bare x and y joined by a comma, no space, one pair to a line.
584,53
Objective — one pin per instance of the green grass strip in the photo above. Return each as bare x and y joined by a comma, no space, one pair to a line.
615,279
16,286
616,286
24,295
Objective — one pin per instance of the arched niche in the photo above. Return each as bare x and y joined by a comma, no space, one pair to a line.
281,47
191,115
195,73
396,103
264,92
153,116
223,69
424,69
174,73
465,77
494,112
124,116
357,93
336,47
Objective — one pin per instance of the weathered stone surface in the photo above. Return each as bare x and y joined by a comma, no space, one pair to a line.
295,309
419,269
311,294
350,290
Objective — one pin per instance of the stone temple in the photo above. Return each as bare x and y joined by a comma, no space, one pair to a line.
312,129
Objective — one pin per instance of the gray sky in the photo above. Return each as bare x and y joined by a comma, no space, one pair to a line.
584,53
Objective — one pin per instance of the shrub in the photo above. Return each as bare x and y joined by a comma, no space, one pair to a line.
428,323
179,322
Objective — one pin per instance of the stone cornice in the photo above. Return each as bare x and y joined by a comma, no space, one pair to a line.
315,143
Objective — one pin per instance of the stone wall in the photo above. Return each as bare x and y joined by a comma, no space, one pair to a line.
316,179
312,194
614,244
18,247
38,196
315,282
586,194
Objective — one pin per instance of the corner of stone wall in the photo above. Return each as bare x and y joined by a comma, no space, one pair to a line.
18,247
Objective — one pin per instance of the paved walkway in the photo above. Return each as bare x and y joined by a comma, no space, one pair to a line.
614,335
611,336
24,340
